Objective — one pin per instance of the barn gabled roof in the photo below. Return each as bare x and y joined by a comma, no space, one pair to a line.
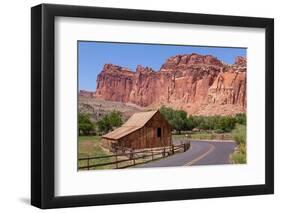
135,122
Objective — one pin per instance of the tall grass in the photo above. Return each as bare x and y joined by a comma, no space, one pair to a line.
239,135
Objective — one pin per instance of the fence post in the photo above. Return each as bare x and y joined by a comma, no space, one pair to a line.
131,153
88,163
116,161
152,155
133,157
134,161
182,145
173,149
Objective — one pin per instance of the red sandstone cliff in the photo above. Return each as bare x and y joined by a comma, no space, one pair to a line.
199,84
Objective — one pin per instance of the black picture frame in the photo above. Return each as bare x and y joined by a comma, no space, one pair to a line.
43,102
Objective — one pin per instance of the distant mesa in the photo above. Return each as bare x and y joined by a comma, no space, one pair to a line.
85,93
198,84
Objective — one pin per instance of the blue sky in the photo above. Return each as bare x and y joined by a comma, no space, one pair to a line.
93,55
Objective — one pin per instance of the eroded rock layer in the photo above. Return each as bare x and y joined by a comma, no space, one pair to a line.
199,84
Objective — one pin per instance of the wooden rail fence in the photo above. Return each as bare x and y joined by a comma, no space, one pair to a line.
129,157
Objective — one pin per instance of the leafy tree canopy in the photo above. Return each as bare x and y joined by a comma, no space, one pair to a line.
181,122
86,127
110,121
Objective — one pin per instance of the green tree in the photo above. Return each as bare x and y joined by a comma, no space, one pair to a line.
115,119
241,118
227,123
110,121
177,118
167,112
180,122
86,127
104,125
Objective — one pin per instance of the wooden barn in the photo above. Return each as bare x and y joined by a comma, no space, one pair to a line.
142,130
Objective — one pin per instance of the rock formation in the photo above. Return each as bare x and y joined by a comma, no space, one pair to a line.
87,94
199,84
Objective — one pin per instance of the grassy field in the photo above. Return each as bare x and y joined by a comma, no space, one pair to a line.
205,136
90,146
240,154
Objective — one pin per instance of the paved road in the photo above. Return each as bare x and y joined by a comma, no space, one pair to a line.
200,153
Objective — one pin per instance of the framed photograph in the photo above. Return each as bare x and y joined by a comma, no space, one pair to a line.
139,106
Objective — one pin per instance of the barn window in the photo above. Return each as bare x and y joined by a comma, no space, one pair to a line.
159,132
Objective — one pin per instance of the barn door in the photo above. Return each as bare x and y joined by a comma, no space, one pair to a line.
159,136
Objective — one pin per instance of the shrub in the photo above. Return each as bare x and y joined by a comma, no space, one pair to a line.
241,118
219,131
239,134
239,158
